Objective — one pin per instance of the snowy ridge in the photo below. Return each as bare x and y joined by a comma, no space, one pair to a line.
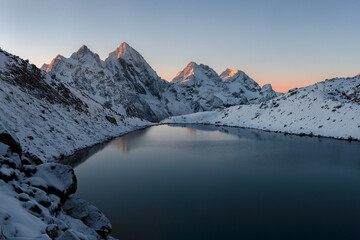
196,74
330,108
199,88
51,119
126,83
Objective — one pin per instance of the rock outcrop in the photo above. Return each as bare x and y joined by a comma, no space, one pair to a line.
36,200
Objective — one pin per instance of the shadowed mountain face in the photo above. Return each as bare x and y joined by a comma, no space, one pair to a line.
126,83
123,82
49,117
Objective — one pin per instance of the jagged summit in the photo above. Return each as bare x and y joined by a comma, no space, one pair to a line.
82,51
55,61
84,54
195,71
126,52
83,48
59,57
44,67
192,64
183,75
235,76
228,73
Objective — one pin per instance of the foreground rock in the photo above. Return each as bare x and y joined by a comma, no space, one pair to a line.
55,178
88,214
36,200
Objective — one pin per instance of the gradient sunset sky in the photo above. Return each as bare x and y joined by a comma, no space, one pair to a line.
283,42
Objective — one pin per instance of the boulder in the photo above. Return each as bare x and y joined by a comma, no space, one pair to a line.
54,178
89,214
69,235
10,140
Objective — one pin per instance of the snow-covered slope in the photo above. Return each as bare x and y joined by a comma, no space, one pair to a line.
50,118
330,108
126,83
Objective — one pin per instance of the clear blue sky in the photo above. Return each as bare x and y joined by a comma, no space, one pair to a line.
283,42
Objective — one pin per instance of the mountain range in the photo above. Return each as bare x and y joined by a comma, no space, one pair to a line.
127,84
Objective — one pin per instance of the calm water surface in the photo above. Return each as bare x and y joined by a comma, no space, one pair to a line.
205,182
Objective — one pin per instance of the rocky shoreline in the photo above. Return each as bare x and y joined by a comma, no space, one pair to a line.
37,200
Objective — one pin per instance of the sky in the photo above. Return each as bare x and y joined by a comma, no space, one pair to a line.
283,42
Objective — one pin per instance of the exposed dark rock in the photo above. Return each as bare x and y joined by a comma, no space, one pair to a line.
111,119
89,214
52,230
8,140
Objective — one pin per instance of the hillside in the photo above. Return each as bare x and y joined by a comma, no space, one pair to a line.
330,108
50,118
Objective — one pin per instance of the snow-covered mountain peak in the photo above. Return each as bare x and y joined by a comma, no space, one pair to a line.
268,92
126,52
238,82
83,56
44,67
235,75
53,63
195,71
267,87
192,65
59,57
83,50
184,74
228,73
86,56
